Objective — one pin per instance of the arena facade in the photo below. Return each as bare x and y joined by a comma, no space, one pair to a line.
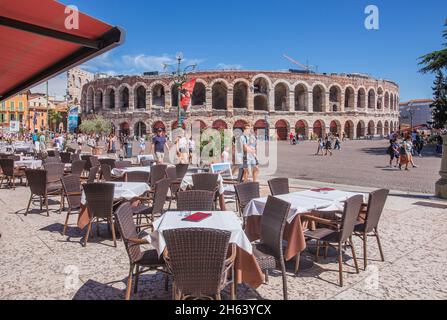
307,103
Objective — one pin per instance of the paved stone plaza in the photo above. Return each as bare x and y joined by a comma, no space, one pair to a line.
37,262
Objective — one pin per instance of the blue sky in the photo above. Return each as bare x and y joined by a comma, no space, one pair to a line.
253,34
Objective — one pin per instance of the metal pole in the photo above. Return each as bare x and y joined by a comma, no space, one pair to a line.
179,94
47,105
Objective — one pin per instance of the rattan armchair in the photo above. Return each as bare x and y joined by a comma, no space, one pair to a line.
197,259
150,208
140,261
99,197
337,234
369,227
77,167
37,181
195,200
66,157
269,252
279,186
123,164
10,173
245,192
138,176
72,192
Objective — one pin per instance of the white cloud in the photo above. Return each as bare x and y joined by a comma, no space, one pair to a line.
229,66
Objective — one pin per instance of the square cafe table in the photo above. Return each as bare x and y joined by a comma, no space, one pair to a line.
301,203
123,190
123,171
247,269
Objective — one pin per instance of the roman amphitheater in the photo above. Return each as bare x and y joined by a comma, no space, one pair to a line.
307,103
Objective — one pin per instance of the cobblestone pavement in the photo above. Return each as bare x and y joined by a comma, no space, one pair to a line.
37,262
359,163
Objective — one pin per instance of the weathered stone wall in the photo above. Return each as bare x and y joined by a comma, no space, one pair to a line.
356,105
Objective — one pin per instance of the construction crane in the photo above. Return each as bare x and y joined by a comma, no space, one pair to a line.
305,67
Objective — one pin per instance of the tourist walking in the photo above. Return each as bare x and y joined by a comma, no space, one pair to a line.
111,144
419,144
182,148
159,142
327,146
320,147
250,162
142,145
337,145
191,148
405,153
393,151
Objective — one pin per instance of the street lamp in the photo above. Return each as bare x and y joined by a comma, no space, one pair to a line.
411,112
180,78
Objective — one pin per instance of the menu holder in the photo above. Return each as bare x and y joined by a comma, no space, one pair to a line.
323,190
197,217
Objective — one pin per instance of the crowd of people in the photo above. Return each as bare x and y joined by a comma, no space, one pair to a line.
327,144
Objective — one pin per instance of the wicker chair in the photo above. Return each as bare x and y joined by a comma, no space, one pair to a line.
77,167
269,252
195,200
146,163
94,162
10,173
336,234
86,158
75,157
50,160
72,192
138,176
369,228
110,162
205,181
279,186
99,198
55,171
66,157
174,184
197,259
37,181
53,153
92,175
123,164
245,192
138,259
181,170
158,172
150,208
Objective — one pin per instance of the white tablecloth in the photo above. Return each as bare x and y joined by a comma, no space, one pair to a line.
221,220
29,164
187,181
120,172
145,157
126,190
302,202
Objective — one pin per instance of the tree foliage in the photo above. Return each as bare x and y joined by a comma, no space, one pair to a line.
439,106
97,125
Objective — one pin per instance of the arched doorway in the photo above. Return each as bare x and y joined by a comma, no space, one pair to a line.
124,98
199,95
335,98
318,99
261,92
349,99
99,100
124,129
360,129
219,96
220,125
318,129
371,127
301,129
335,127
140,129
281,97
110,99
240,95
379,129
158,125
361,99
260,125
387,128
301,97
140,97
349,129
282,130
158,96
239,125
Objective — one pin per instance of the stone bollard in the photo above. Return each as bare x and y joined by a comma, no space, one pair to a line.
441,184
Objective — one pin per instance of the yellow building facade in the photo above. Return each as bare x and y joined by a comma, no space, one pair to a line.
14,109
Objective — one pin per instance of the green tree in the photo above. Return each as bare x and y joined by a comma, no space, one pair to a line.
54,118
97,125
439,106
437,60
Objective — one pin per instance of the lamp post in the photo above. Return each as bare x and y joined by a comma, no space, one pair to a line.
180,77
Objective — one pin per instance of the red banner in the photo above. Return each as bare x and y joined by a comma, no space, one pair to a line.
187,90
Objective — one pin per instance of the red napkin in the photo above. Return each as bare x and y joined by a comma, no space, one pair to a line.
197,217
322,189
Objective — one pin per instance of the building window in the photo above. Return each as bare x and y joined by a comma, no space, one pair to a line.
21,118
11,106
12,117
3,106
20,106
2,117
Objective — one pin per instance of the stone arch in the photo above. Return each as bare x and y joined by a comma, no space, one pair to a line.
198,97
371,128
349,129
380,98
391,101
335,97
302,129
240,124
379,130
84,104
140,129
124,129
140,96
361,98
110,98
281,96
391,127
158,125
349,98
220,125
261,124
174,125
240,94
301,97
174,95
360,129
386,129
371,99
319,98
99,99
335,127
90,99
319,128
158,93
261,89
219,95
124,97
282,129
387,100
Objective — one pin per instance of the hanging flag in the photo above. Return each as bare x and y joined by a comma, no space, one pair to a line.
187,90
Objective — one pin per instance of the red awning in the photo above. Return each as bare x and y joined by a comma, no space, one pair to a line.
36,45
